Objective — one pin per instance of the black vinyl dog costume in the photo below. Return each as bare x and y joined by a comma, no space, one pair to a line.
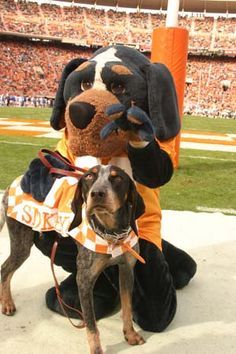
117,106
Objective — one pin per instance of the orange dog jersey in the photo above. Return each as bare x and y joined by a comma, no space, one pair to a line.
55,213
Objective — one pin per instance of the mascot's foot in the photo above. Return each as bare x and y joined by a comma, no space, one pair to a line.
105,298
182,266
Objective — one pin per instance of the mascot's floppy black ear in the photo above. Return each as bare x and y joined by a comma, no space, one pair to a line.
162,101
57,120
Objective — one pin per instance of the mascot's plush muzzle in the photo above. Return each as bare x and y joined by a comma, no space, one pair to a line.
85,117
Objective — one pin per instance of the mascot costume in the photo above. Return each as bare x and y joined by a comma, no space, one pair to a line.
117,108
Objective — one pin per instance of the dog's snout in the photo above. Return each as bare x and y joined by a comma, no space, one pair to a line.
81,114
98,195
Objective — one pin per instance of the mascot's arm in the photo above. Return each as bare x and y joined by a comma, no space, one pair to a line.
151,165
151,162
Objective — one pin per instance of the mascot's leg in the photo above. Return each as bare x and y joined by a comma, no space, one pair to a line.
106,293
154,300
154,295
182,267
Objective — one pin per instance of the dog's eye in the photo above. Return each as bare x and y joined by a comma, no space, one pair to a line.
117,89
117,179
89,177
86,85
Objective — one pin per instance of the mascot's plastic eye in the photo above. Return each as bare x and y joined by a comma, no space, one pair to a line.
117,89
86,85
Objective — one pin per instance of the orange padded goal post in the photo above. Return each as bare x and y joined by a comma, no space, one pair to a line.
170,47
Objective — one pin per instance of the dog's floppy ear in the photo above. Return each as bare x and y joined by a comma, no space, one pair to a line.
57,120
76,207
137,205
162,101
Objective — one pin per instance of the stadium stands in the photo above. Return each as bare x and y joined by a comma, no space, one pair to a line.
211,87
32,69
110,26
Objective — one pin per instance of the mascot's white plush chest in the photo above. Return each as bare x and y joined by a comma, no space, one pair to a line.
90,161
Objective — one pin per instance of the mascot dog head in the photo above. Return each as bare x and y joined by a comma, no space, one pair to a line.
114,74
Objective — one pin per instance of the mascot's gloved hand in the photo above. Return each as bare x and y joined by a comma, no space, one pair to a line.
37,180
134,120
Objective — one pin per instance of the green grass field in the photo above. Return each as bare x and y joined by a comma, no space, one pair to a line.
204,178
25,112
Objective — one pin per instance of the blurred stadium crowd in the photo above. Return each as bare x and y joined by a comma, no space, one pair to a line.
31,69
110,26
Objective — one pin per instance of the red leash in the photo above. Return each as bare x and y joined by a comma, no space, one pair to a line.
63,305
77,171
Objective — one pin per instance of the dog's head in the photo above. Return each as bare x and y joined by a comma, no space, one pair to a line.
115,74
110,198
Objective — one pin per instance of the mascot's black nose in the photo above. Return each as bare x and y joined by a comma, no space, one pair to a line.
81,114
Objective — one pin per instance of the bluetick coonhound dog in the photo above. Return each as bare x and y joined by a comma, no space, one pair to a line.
112,204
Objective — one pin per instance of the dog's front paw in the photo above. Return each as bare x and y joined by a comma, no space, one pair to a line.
94,342
8,307
133,338
97,351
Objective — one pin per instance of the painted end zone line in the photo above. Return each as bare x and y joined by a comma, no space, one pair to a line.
216,210
209,147
206,158
18,143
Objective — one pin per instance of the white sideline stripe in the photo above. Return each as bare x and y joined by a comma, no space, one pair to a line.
216,210
30,128
210,147
53,135
19,143
47,123
207,137
57,135
206,158
14,123
8,121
